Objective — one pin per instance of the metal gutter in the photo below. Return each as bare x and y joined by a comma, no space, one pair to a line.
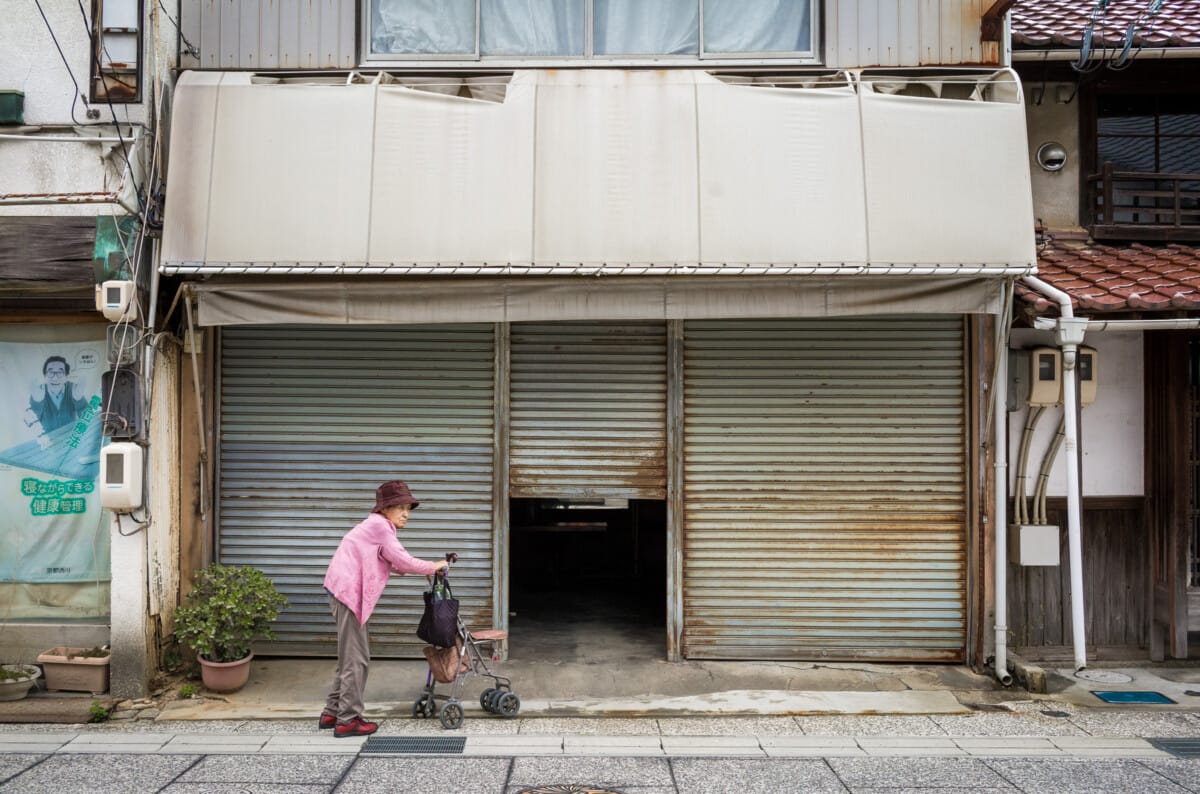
1164,324
1069,331
1153,54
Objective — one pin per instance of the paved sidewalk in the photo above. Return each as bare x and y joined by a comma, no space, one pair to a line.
533,744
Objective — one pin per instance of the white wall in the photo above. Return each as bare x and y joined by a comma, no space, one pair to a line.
31,63
1052,115
1112,427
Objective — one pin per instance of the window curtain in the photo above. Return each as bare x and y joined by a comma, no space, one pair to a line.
531,27
646,27
411,27
757,26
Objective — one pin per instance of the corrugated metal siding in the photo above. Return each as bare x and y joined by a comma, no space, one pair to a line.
824,489
862,33
588,408
312,420
270,34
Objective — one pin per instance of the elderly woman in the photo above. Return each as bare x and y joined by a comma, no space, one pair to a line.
364,559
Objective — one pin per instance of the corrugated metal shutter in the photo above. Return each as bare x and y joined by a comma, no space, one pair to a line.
312,420
824,489
588,408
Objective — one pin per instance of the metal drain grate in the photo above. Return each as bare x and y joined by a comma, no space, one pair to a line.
414,745
1180,748
1133,697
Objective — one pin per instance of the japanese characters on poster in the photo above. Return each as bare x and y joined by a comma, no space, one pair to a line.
52,528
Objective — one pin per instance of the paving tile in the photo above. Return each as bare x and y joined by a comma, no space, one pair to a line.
870,725
712,745
13,763
625,790
1008,746
810,746
970,773
997,724
471,727
29,747
390,774
612,745
1120,722
589,726
1185,772
737,776
615,772
312,769
294,744
211,743
109,773
243,788
1081,775
729,726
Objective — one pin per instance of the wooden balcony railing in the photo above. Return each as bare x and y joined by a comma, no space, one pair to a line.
1139,206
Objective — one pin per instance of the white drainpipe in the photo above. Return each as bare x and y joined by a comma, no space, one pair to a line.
1068,333
1000,493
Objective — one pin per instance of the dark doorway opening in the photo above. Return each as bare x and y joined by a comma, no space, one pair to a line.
587,579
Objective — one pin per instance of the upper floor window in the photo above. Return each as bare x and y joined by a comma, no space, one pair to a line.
584,29
1149,133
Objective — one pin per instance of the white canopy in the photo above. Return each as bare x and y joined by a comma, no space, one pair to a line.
597,172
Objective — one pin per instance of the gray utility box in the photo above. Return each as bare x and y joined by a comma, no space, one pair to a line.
1034,544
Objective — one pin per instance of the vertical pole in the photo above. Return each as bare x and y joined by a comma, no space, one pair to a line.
500,509
674,490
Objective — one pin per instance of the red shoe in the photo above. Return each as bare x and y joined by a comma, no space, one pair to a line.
327,721
355,727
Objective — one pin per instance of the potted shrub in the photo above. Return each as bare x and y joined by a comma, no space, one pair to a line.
76,669
230,608
16,680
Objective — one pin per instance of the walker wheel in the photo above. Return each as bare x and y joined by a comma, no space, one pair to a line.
509,705
451,715
430,706
419,707
493,704
485,698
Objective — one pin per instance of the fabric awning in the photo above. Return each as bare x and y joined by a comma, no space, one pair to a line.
644,174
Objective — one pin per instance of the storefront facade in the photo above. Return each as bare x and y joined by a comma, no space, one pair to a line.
645,291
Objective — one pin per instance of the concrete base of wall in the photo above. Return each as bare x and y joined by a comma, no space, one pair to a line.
1028,674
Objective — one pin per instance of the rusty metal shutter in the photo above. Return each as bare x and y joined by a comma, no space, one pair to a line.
824,489
312,419
588,410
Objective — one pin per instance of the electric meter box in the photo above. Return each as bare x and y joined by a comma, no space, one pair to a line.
1034,544
1088,361
117,301
1045,376
121,476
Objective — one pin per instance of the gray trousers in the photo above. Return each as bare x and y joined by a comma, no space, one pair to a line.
345,699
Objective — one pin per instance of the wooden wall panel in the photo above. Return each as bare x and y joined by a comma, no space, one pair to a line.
1115,566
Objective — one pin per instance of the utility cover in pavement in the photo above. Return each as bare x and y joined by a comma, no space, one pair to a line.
1180,748
567,788
1132,697
415,745
1104,676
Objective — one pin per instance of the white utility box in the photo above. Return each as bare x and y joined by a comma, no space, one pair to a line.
1035,544
121,476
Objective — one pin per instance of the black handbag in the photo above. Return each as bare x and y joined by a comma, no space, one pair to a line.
439,621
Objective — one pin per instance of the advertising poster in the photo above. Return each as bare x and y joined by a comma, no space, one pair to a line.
52,528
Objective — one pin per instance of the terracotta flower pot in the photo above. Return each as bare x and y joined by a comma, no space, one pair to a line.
225,676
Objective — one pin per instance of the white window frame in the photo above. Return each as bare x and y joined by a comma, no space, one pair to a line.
811,56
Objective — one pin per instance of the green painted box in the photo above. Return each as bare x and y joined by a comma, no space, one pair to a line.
12,106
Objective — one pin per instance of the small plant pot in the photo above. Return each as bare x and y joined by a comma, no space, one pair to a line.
224,676
68,671
18,688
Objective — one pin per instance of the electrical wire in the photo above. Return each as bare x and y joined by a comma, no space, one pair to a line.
192,50
62,55
95,57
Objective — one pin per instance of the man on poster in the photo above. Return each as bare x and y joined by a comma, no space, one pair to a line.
54,404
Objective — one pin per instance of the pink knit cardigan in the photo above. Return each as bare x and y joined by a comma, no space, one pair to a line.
363,560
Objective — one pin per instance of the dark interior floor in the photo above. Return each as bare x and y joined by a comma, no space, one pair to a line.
588,624
588,583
